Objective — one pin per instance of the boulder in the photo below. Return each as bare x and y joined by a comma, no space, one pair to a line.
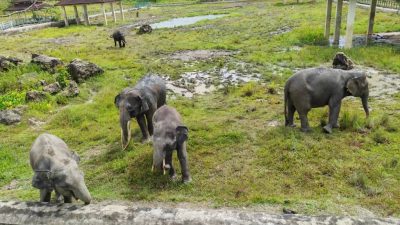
46,62
53,88
341,61
72,89
9,117
80,70
7,62
35,96
145,29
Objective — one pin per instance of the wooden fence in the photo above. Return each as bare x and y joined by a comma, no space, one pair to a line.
21,22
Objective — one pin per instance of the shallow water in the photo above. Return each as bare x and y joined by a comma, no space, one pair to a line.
183,21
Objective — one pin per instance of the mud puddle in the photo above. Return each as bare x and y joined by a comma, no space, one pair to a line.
183,21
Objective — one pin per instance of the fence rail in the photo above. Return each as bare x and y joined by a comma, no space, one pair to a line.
21,22
391,4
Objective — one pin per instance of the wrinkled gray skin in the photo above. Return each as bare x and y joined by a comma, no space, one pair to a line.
140,102
119,37
169,135
317,87
56,168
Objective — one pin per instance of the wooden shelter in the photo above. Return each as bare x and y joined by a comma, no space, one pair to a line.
84,3
350,21
26,5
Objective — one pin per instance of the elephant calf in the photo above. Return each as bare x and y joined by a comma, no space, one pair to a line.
140,102
119,37
56,168
317,87
170,134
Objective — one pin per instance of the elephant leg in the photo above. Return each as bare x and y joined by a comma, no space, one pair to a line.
45,195
168,160
334,109
59,197
142,124
67,199
120,44
290,114
304,121
182,156
115,43
149,118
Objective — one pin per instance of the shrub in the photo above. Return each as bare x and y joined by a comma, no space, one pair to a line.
11,100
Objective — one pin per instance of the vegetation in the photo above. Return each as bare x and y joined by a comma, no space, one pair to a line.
236,158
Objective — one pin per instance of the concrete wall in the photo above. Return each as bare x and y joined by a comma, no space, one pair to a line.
110,214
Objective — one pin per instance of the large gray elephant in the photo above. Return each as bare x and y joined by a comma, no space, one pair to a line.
317,87
56,168
140,102
170,134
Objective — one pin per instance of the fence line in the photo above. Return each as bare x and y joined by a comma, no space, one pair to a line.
391,4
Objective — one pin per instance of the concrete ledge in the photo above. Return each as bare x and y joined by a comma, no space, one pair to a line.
99,214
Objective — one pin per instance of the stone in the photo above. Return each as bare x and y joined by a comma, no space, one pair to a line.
80,70
9,117
343,62
53,88
72,90
7,63
35,96
46,62
145,29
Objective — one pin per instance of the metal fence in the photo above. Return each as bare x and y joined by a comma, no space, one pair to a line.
21,22
391,4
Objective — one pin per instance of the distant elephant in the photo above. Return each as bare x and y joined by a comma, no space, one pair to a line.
56,168
170,134
317,87
140,102
119,37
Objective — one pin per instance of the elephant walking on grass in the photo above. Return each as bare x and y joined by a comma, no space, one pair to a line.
170,134
56,168
317,87
140,102
119,37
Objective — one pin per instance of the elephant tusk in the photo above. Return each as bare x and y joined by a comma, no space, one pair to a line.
152,168
163,166
129,136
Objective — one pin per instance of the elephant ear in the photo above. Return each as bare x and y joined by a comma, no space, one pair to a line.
182,134
117,100
357,86
42,179
144,106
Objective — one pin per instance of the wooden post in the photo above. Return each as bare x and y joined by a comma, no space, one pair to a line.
338,21
113,12
104,14
121,10
328,19
371,20
86,15
351,15
78,21
65,16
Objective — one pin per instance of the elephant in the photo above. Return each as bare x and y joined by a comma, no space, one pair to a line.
56,168
119,37
140,102
317,87
341,61
170,134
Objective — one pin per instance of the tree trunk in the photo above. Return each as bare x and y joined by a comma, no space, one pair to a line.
350,23
338,22
328,19
371,20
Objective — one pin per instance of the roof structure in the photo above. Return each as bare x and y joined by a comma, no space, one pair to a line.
83,2
32,5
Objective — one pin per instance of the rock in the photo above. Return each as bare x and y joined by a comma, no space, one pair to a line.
9,117
81,70
7,62
288,211
53,88
145,29
341,61
43,82
72,90
34,96
46,62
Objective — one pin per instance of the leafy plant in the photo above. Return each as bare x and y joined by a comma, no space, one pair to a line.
11,100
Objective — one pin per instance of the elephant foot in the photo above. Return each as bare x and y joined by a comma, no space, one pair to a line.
146,140
335,126
173,177
186,180
305,129
327,129
291,125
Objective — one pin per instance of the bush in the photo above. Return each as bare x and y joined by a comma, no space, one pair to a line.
62,78
311,37
11,100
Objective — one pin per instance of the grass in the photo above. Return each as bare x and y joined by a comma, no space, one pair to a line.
235,158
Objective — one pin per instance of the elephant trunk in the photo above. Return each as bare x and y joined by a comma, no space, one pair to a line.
364,100
124,120
82,193
159,158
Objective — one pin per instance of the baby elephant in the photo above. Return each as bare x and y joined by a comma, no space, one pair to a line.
140,102
119,37
170,134
317,87
56,168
